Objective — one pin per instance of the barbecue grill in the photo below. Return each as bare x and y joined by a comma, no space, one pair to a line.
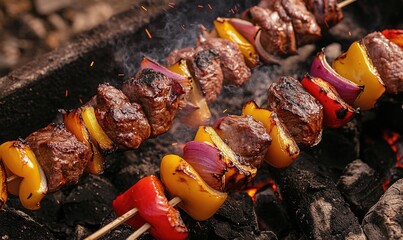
31,97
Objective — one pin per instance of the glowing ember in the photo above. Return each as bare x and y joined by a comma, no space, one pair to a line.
385,185
121,74
92,63
148,34
200,6
66,93
209,6
145,9
268,183
171,4
393,139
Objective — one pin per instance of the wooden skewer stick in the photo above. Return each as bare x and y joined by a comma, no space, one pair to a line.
112,225
345,3
11,178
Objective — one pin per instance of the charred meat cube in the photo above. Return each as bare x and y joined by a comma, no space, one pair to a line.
124,122
277,37
232,61
387,58
61,155
305,26
245,136
299,111
178,54
205,67
327,13
158,95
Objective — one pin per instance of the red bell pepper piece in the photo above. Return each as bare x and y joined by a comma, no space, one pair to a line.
394,35
336,112
147,195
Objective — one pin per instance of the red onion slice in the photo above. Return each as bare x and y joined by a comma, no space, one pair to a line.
245,28
265,56
206,160
182,80
347,89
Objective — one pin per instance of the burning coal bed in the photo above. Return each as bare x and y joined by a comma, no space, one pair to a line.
349,186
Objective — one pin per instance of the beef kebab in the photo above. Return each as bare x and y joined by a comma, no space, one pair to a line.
59,153
226,156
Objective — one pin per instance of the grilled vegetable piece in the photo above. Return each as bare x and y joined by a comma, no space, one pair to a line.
347,89
199,200
61,155
75,124
97,134
199,112
247,137
20,160
227,31
158,95
394,35
298,110
205,67
124,122
283,149
387,58
147,195
356,66
336,112
238,171
3,186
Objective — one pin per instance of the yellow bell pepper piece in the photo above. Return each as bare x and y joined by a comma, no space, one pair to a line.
283,149
356,66
21,161
201,115
238,173
227,31
3,186
199,200
75,124
96,132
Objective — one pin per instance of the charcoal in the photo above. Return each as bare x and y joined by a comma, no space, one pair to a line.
90,201
236,219
360,186
385,219
18,225
81,232
271,213
315,202
379,156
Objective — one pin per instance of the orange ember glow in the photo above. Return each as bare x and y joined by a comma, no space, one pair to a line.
145,9
385,185
209,6
268,183
148,34
392,139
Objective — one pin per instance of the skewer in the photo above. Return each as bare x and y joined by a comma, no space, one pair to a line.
345,3
112,225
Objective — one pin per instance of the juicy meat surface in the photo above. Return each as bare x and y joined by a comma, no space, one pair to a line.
245,136
387,58
124,122
232,61
299,111
205,67
326,12
178,54
305,26
61,155
277,37
158,95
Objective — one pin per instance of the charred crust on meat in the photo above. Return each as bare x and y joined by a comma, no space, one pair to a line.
204,57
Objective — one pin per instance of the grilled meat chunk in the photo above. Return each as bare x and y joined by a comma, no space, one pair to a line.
299,111
326,12
387,58
61,155
305,26
205,67
246,136
277,37
158,95
232,61
124,122
177,54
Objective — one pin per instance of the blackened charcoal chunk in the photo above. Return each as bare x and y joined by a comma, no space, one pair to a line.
272,213
360,186
90,201
235,219
18,225
385,219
